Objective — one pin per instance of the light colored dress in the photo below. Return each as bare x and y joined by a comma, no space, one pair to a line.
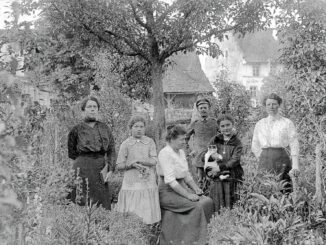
139,192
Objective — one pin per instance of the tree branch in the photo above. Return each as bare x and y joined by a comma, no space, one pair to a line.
176,48
137,18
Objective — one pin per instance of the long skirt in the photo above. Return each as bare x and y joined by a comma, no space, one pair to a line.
91,188
224,193
140,196
183,221
277,161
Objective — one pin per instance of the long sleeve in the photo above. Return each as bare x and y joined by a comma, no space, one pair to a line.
152,151
111,153
190,131
72,144
122,155
235,158
255,145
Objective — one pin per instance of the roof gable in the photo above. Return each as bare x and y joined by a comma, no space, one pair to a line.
185,75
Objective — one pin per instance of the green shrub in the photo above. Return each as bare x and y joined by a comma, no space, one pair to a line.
73,224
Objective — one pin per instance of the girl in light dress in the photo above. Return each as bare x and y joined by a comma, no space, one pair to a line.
138,158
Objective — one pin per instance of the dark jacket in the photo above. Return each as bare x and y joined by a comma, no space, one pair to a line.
231,152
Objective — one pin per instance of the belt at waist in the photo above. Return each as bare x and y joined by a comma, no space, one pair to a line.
92,154
273,148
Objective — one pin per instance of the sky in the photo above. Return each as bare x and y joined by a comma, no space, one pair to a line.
3,9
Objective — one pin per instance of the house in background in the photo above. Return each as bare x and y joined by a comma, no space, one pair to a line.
183,81
248,61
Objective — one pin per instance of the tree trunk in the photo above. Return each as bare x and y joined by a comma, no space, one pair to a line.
158,102
318,194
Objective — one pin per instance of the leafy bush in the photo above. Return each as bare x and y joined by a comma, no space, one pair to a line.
263,215
73,224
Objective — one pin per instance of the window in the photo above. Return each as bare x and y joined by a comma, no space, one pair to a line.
253,91
273,69
255,70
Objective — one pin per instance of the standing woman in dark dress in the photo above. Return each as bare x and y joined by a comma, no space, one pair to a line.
91,146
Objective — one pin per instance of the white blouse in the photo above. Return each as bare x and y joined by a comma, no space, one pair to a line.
172,165
275,132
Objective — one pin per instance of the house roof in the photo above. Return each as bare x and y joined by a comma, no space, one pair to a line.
185,75
259,46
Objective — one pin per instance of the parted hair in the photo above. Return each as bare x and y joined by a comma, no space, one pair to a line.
83,104
223,117
272,96
173,131
134,119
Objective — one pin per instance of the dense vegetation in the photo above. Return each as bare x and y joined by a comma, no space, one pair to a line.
35,175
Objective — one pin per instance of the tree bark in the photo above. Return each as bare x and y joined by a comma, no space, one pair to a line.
158,102
318,194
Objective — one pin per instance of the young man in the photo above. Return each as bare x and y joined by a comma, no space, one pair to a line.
203,130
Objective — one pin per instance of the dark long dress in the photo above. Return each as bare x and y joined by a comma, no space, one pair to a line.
183,221
87,146
278,162
224,192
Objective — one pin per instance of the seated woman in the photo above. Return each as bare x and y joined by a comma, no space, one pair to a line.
227,175
185,212
137,158
272,137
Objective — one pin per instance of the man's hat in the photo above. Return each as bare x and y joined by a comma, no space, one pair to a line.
202,101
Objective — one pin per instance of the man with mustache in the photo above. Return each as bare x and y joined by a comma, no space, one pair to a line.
202,130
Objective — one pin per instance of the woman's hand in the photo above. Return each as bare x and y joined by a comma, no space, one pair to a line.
198,191
216,156
193,197
137,166
294,172
108,176
193,154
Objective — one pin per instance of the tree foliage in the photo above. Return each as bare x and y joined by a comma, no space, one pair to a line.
150,32
303,37
234,99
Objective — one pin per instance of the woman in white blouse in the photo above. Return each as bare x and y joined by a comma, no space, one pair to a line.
275,142
185,211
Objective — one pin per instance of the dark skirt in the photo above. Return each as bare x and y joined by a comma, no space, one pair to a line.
183,221
277,161
224,193
91,187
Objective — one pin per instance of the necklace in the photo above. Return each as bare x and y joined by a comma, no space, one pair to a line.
226,141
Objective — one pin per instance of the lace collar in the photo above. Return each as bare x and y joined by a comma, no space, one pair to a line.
144,140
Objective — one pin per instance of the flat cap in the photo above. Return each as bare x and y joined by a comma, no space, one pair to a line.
202,101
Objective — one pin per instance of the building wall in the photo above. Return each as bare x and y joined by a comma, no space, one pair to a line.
237,68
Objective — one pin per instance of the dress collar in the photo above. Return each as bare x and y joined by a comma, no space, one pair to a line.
132,140
203,119
274,118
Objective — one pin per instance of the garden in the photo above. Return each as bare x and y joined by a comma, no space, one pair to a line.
75,60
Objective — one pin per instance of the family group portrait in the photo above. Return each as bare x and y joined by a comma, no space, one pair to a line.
163,122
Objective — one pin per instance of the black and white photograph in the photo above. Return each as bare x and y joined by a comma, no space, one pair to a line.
162,122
